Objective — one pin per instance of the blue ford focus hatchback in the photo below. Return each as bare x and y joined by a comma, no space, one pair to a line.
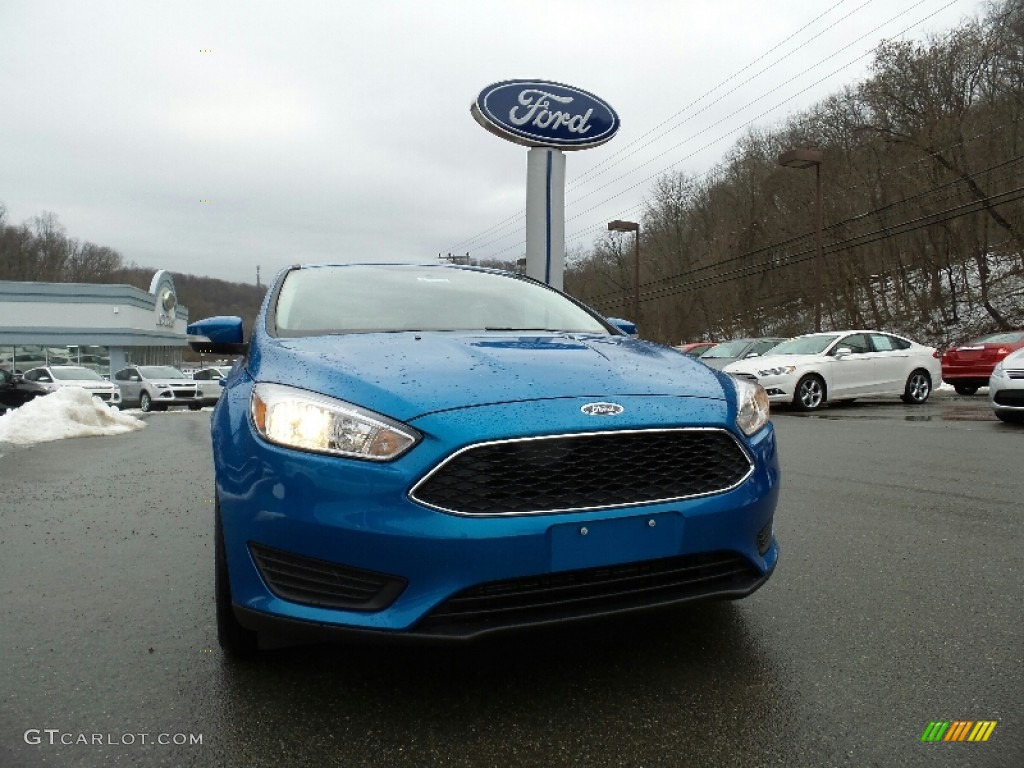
443,451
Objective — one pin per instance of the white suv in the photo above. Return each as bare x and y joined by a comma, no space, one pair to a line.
50,378
209,380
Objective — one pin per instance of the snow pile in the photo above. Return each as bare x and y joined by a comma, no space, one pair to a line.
68,412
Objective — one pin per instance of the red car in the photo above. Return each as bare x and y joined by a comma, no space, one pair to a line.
696,348
968,366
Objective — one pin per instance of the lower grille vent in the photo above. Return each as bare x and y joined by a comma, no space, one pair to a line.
589,592
324,584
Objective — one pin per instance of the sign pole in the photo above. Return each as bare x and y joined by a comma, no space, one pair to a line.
545,215
549,118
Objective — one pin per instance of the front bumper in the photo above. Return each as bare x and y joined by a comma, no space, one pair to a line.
780,389
1006,394
353,522
176,396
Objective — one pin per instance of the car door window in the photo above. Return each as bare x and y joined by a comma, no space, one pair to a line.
857,343
882,343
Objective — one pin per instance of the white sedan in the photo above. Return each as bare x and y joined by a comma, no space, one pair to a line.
1006,388
811,370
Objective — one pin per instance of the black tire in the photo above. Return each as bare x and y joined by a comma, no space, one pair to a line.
918,387
810,393
194,406
145,402
1010,417
964,389
234,639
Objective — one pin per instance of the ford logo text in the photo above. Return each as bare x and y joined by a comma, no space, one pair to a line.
540,113
602,409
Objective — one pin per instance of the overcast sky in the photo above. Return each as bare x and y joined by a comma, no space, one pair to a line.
340,130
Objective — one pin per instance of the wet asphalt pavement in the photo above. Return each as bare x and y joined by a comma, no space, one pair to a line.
899,600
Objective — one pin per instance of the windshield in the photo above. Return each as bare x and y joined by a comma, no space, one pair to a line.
728,349
160,372
375,298
814,344
75,374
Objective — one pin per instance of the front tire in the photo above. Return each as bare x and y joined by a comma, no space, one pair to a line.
234,639
964,389
918,388
810,393
145,402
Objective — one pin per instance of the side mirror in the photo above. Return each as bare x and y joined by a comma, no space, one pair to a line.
626,326
133,377
843,351
221,335
752,354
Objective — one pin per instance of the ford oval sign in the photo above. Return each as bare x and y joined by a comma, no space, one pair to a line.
540,113
602,409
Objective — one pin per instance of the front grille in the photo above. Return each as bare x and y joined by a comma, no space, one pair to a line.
184,392
324,584
585,471
589,592
1015,373
745,376
1013,397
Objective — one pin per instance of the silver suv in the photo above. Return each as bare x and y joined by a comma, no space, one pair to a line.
209,380
155,387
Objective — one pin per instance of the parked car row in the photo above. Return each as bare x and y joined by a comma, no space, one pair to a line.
816,368
149,387
805,371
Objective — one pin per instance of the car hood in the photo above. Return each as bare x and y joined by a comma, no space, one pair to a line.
83,383
406,375
755,364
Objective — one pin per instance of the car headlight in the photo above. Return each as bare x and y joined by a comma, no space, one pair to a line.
299,419
752,406
161,386
782,370
999,371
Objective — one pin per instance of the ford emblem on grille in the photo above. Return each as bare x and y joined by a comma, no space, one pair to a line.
602,409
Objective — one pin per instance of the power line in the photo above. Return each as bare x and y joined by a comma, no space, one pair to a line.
966,209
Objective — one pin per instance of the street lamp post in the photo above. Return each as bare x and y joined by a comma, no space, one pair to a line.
805,158
631,226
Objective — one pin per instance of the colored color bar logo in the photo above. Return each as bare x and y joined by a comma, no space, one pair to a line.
959,730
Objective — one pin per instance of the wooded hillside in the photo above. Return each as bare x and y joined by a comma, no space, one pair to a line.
922,176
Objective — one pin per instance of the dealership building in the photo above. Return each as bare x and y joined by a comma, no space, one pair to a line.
102,327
